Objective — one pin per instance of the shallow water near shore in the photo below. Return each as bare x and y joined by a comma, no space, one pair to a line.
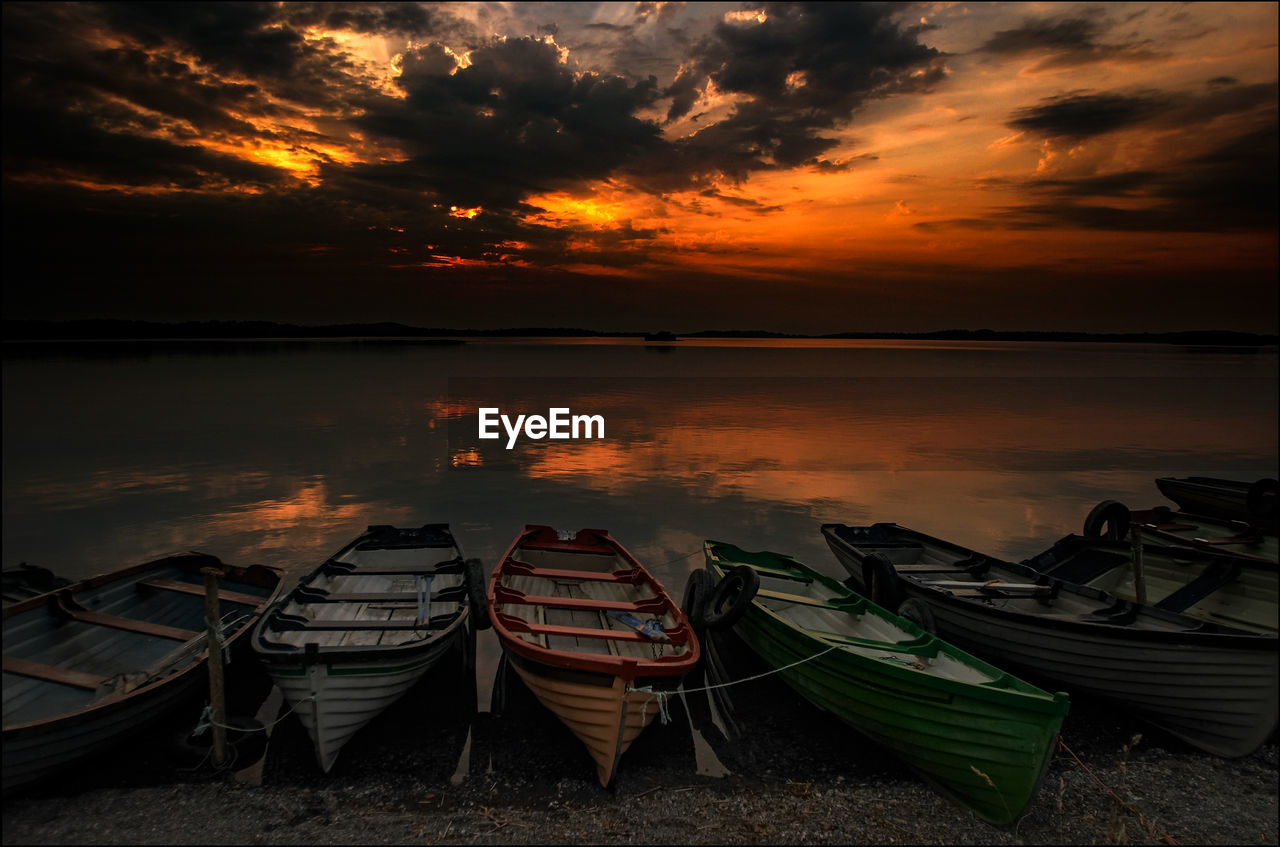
282,453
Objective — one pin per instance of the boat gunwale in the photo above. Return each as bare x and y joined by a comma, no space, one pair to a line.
238,573
629,668
1197,633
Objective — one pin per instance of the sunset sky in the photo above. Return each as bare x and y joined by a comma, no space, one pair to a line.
633,166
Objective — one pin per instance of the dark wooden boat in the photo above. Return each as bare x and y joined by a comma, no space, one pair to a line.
1212,685
89,664
1111,519
591,633
1251,502
1230,590
979,734
360,630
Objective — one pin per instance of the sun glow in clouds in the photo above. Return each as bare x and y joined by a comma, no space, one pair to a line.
558,208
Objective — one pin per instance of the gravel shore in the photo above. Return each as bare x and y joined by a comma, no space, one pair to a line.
431,770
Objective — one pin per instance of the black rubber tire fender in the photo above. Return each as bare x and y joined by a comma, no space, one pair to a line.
732,597
698,589
918,612
1108,519
880,579
477,593
1261,500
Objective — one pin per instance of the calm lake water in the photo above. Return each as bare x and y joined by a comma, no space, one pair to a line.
279,453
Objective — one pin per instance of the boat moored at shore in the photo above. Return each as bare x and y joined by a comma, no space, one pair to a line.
1212,685
360,630
592,634
92,663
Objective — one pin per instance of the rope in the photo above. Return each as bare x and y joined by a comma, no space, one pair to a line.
206,719
679,558
662,696
664,714
1168,839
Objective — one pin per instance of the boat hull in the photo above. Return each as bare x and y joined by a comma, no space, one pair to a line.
362,629
567,614
335,701
1215,690
985,746
36,752
1254,503
606,713
126,630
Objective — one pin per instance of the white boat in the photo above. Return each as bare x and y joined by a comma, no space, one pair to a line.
1212,685
361,629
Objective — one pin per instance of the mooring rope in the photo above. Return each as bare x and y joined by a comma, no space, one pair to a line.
1168,839
662,696
679,559
206,719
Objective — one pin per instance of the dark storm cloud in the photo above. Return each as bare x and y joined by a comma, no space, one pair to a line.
1064,41
741,202
806,68
78,97
403,18
73,148
1232,187
264,42
237,38
515,122
1082,115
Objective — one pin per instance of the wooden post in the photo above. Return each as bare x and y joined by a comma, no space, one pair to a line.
217,697
1139,583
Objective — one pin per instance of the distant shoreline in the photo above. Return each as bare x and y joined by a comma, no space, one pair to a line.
147,331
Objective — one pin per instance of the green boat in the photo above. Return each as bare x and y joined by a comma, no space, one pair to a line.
979,735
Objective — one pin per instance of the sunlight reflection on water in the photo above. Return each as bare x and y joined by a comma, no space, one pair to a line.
281,457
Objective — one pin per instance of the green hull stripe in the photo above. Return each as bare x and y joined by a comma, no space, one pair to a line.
360,671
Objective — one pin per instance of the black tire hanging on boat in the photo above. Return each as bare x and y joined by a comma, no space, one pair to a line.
918,612
697,593
880,580
732,597
1108,519
1261,500
477,593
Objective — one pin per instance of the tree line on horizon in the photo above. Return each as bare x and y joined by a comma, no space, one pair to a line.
121,329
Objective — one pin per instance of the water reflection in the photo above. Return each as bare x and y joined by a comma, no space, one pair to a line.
282,457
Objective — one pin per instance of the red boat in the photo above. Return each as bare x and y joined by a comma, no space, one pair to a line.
592,634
